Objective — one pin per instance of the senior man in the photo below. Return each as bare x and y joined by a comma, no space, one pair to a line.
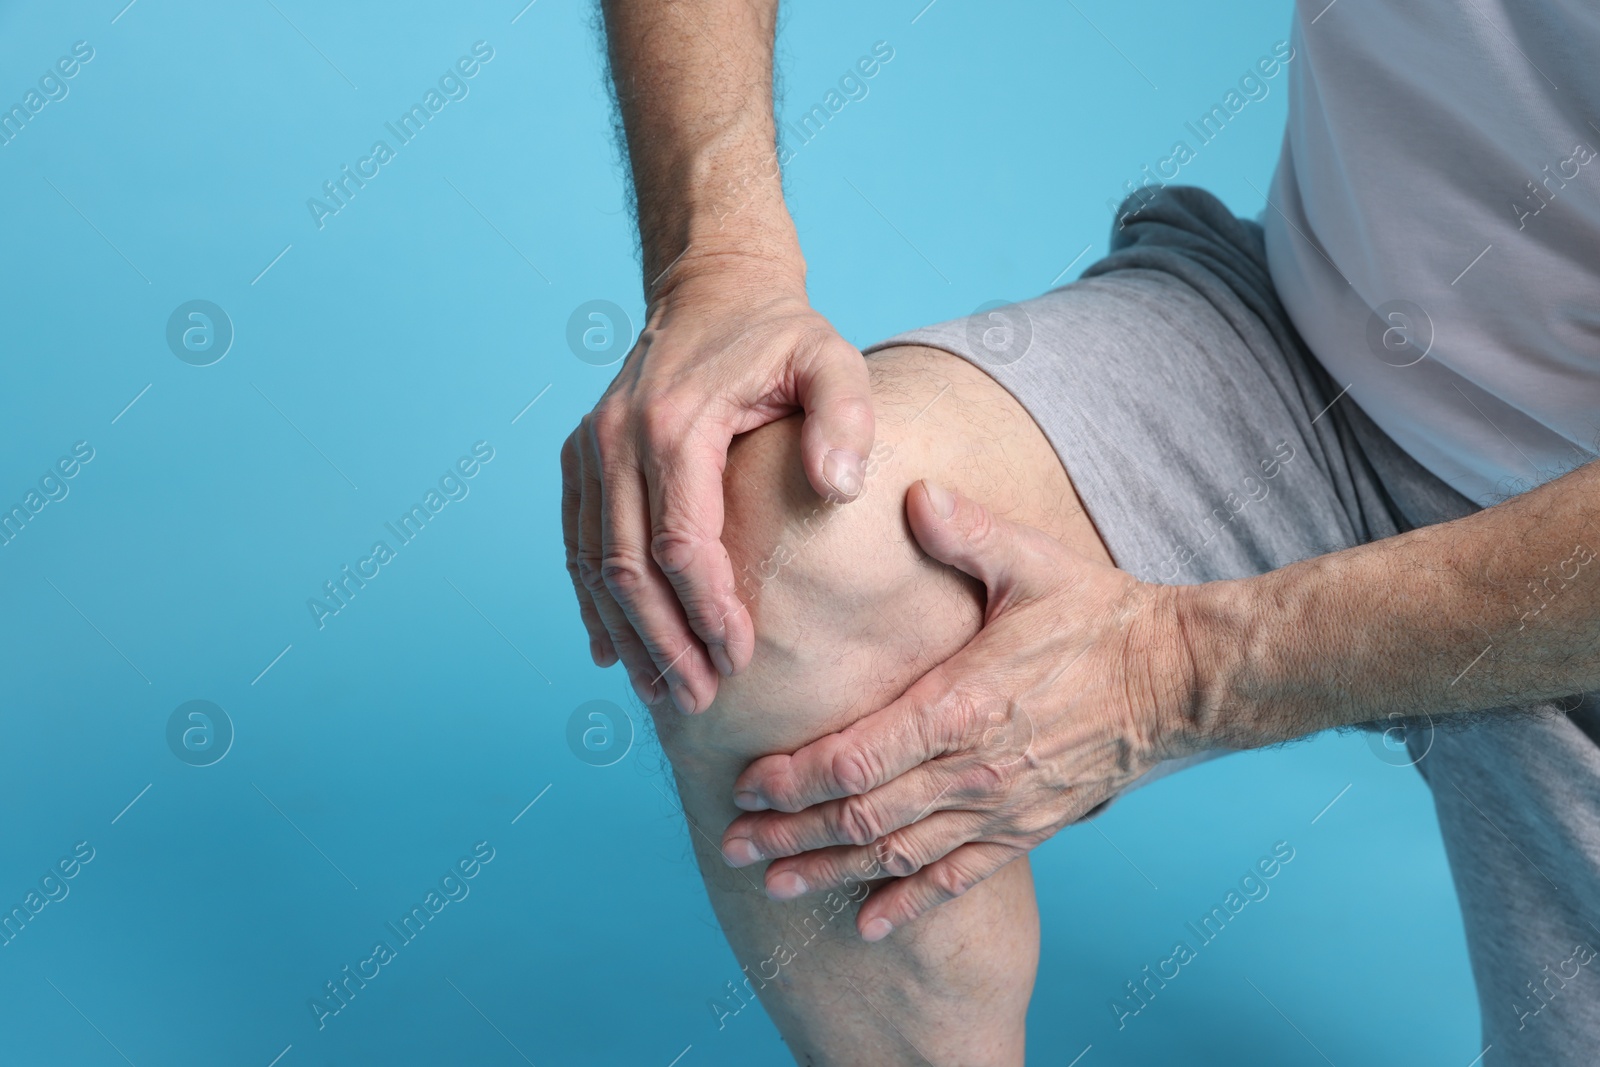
900,618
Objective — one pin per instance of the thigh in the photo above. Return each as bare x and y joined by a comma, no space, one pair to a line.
1202,436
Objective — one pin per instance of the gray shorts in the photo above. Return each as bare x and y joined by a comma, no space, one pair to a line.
1206,442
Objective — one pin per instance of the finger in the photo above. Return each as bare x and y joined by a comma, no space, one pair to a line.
899,902
898,855
856,820
929,720
681,668
832,385
1003,555
685,458
600,647
635,657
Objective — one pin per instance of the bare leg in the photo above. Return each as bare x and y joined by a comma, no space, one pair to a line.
848,612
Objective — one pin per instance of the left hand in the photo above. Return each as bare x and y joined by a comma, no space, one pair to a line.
1078,683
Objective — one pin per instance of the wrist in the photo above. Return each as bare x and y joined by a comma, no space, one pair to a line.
1222,627
722,210
1273,657
756,249
759,272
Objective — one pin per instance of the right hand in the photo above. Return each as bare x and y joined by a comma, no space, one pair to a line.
728,345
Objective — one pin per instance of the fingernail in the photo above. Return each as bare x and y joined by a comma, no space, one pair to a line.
877,930
747,800
741,852
644,687
683,699
719,657
843,470
786,885
601,653
944,505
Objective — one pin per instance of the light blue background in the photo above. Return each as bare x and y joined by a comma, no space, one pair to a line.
378,750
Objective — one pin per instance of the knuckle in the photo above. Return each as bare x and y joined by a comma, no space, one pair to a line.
1034,827
589,573
985,780
674,550
708,612
896,860
845,871
949,881
771,836
776,782
855,409
820,871
829,874
607,425
622,575
856,822
854,769
962,719
661,422
981,526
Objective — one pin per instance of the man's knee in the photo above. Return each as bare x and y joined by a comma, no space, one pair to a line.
848,609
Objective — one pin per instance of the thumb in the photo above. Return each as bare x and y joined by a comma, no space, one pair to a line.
963,533
836,437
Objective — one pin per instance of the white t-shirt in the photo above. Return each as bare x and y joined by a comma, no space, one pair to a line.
1434,226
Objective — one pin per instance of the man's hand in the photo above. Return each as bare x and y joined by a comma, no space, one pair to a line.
730,343
728,346
1079,682
1082,678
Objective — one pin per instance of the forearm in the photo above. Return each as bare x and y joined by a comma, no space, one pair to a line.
693,81
1498,609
